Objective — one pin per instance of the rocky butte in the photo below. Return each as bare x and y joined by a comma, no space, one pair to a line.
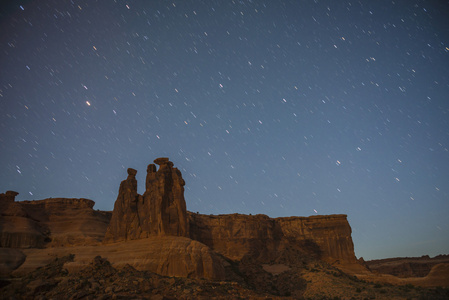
154,232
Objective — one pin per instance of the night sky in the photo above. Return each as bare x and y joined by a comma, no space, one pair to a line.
284,108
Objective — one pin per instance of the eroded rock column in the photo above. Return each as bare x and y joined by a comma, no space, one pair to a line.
124,223
160,211
164,199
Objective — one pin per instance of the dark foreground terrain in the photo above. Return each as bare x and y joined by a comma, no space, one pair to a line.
99,280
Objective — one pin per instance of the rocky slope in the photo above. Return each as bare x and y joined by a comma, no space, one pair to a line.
99,279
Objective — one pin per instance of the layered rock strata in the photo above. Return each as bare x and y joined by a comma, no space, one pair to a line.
236,236
164,255
18,228
50,222
331,233
69,221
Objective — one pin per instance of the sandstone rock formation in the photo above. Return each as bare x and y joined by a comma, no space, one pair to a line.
154,232
17,228
125,220
164,255
58,222
161,210
69,221
8,197
236,236
164,199
50,223
404,267
160,215
331,233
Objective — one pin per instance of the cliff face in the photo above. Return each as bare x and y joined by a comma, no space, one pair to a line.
50,223
161,210
331,233
69,221
17,228
236,236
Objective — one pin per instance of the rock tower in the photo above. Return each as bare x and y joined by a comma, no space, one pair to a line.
161,210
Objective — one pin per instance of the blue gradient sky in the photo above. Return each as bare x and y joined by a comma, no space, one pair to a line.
275,107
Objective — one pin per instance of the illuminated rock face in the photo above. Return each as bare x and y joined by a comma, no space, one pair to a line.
18,230
53,222
237,236
164,201
161,210
124,221
154,231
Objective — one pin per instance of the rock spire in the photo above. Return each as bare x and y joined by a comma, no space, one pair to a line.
161,210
